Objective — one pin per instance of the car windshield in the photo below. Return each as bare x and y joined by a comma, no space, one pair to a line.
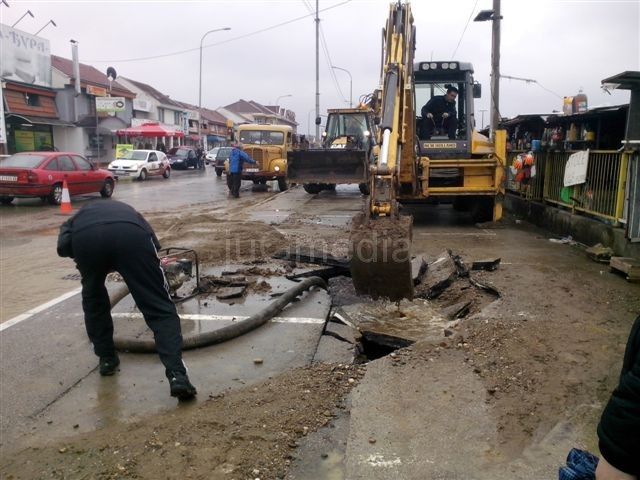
22,160
261,137
134,155
179,152
224,153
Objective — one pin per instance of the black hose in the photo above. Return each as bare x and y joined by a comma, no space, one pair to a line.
228,332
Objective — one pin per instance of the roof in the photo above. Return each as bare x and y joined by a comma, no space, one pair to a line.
213,117
248,106
629,80
157,94
88,74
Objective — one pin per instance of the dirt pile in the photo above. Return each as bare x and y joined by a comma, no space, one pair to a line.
249,433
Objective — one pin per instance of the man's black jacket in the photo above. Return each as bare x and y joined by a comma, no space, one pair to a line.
437,106
619,428
107,212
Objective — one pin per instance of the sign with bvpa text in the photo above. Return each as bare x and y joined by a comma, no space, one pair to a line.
110,104
575,172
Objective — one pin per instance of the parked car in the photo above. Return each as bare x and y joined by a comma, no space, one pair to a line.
141,164
183,157
211,155
41,174
221,157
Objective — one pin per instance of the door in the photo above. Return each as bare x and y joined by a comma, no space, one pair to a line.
69,172
90,180
154,165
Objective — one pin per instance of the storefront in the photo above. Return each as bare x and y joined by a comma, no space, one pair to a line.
26,134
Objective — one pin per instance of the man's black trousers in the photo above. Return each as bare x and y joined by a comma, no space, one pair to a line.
129,250
234,181
448,124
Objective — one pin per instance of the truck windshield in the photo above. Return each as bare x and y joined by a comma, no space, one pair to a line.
345,124
261,137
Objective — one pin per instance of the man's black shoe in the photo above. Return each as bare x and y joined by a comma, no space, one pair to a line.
181,386
109,365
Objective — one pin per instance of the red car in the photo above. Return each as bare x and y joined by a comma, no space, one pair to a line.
40,174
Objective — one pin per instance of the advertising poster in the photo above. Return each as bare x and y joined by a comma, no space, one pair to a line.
24,141
25,57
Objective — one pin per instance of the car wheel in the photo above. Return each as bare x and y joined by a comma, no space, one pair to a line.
167,173
219,172
282,184
107,189
312,188
55,197
143,175
6,200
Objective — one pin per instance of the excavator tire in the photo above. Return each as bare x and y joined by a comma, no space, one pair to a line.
381,256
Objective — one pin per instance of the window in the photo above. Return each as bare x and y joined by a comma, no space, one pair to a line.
176,118
81,163
22,160
53,165
32,99
161,115
65,163
153,157
261,137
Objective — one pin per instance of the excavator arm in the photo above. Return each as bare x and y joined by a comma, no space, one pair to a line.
380,237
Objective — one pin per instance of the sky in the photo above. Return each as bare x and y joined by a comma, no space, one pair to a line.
269,53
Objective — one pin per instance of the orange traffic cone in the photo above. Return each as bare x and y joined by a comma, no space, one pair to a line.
65,204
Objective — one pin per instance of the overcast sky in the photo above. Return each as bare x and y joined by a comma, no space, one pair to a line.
269,52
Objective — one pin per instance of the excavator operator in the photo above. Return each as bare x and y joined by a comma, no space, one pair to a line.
440,112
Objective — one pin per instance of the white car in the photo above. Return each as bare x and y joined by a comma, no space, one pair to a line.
211,155
140,164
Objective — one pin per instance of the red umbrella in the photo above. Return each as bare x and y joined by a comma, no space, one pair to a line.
149,130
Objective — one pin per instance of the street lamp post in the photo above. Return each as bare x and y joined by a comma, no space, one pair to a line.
25,14
278,99
494,16
350,84
200,81
45,26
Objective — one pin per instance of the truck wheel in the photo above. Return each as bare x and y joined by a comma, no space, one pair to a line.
482,209
282,184
312,188
364,189
219,172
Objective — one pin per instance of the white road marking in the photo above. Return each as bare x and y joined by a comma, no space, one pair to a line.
225,318
454,234
38,309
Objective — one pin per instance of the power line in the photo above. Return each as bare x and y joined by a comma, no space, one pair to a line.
180,52
465,29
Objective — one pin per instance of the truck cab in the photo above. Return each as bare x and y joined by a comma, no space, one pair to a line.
268,145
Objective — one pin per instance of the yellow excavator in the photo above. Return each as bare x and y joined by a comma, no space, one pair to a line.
418,167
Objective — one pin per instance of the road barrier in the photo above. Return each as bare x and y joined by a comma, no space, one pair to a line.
602,196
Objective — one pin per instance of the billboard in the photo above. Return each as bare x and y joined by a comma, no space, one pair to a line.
110,104
25,57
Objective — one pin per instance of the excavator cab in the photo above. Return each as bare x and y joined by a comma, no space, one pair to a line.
433,79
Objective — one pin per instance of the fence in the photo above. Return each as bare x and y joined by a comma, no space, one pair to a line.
602,195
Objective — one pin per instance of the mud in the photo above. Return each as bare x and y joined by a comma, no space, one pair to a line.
248,433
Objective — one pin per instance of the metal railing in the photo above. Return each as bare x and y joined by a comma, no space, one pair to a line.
601,196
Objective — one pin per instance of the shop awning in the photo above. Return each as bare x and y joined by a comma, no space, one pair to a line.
55,122
149,130
216,138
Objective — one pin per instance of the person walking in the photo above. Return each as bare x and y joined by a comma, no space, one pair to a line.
236,160
107,236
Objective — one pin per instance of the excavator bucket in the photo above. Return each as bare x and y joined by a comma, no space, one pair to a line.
381,257
327,166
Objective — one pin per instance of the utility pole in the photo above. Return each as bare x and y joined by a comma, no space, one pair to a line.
317,73
495,68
